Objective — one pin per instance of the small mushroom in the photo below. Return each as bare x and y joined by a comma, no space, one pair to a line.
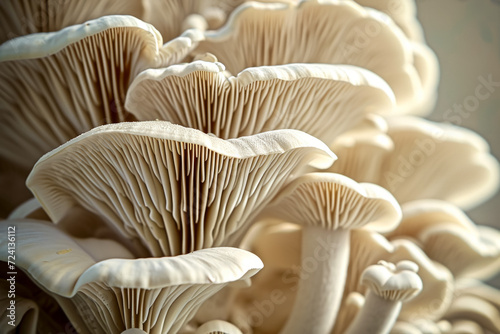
330,32
111,295
322,100
217,327
389,286
175,189
328,206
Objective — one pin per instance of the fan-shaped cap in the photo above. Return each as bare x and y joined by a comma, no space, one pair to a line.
176,189
33,16
398,282
438,161
334,32
322,100
152,294
466,253
426,213
54,86
334,201
217,327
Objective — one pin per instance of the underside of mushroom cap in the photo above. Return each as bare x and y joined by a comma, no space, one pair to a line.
334,201
322,100
157,295
333,32
176,189
33,16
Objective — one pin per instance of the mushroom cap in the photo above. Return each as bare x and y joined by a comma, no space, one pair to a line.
398,282
438,161
368,247
35,16
403,12
153,294
176,189
334,201
426,213
466,253
54,86
334,32
475,309
322,100
362,151
217,327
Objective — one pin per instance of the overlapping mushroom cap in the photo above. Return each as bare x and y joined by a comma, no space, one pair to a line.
110,295
428,161
174,188
33,16
322,100
54,86
333,32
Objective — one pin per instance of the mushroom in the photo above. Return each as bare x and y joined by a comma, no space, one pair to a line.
322,100
478,310
328,206
389,286
362,150
331,32
111,295
466,253
175,189
454,162
448,236
28,17
54,86
20,317
217,327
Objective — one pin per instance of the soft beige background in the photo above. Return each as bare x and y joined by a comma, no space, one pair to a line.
465,34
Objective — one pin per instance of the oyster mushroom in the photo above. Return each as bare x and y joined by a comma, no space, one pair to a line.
175,189
328,206
322,100
217,327
425,150
331,32
389,286
33,16
112,295
54,86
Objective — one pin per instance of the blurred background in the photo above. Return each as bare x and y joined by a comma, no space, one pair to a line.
465,34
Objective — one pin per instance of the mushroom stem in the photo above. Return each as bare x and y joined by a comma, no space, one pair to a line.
378,315
325,257
134,331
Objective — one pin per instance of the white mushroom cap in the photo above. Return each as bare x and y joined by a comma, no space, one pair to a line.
438,161
334,201
217,327
422,214
152,294
475,309
466,253
54,86
322,100
35,16
174,188
393,282
343,33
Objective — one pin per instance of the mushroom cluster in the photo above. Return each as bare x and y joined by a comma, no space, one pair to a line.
222,166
